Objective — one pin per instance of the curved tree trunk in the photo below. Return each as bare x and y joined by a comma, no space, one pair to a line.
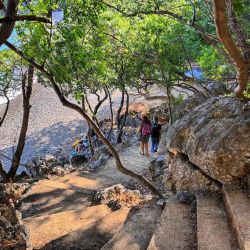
99,133
111,114
221,21
26,90
6,108
118,115
122,124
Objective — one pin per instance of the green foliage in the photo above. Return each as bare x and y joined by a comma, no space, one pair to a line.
238,6
96,45
247,92
11,71
178,99
213,64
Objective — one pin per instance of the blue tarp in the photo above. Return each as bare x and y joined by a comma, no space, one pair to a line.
195,73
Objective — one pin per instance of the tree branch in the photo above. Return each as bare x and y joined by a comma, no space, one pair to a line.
24,18
206,36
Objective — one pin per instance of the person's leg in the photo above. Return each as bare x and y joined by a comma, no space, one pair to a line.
146,148
152,145
142,147
156,145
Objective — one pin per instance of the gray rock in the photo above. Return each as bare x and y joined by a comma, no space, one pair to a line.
114,205
13,234
49,158
215,137
157,166
183,176
185,196
217,88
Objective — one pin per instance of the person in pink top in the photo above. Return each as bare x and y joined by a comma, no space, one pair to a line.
144,133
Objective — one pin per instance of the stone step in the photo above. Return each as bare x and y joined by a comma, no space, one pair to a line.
212,226
238,207
95,236
47,228
175,230
137,230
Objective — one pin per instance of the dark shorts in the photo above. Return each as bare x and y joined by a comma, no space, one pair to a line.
145,138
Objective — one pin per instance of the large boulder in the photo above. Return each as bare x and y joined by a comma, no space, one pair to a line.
183,175
215,137
13,234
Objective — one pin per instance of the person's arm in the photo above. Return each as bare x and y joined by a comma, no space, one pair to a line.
139,130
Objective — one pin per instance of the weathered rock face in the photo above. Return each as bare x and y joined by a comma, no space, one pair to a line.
183,176
214,88
13,235
215,137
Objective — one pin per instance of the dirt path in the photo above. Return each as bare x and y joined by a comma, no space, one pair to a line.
55,208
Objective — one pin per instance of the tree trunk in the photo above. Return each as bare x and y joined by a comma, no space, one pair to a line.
89,133
111,114
26,90
118,115
2,171
89,129
221,22
169,106
7,26
122,124
6,108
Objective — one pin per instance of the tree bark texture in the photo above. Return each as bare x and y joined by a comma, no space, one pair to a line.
26,91
6,107
7,26
222,28
111,114
118,115
123,122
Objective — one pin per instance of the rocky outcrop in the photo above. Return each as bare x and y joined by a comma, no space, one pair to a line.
183,175
117,196
13,235
215,138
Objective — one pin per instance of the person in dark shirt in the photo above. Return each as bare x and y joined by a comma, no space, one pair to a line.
155,135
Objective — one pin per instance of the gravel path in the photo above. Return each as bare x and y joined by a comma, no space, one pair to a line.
51,125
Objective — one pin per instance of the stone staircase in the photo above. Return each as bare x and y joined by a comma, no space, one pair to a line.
219,223
59,216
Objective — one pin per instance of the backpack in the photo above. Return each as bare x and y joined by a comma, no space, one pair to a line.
146,129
